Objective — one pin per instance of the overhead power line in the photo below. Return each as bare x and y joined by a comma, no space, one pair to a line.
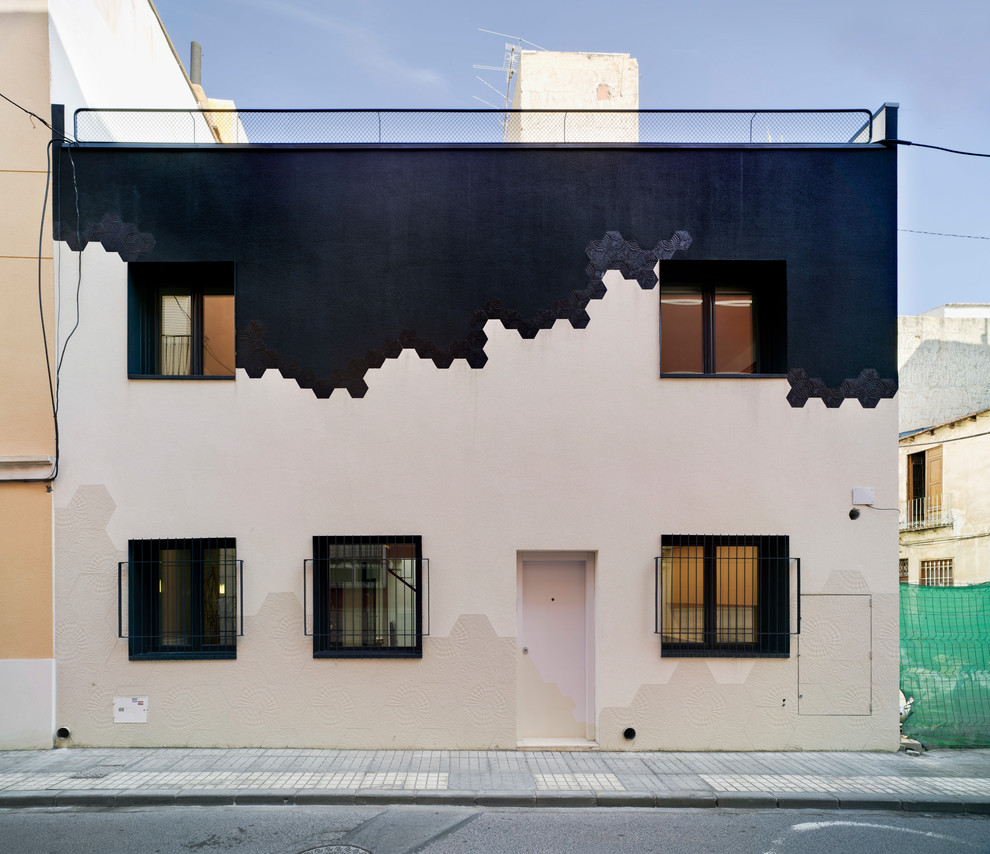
937,147
945,234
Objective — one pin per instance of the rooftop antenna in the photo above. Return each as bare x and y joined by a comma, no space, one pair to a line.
510,64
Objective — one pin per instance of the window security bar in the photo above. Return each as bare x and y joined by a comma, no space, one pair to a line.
472,126
724,596
936,573
368,597
181,599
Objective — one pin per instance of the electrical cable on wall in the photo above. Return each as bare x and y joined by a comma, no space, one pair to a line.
943,441
52,384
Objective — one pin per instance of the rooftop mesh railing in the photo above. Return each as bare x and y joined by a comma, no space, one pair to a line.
373,127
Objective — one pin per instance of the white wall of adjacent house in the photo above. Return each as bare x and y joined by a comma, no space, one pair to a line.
568,443
114,53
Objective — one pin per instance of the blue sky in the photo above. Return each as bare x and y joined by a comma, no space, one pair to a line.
931,58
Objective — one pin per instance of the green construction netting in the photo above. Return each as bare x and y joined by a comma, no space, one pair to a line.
945,664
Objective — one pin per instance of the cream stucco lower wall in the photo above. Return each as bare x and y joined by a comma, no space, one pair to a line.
567,442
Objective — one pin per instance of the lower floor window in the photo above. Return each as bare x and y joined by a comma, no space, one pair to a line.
722,595
936,573
182,598
367,596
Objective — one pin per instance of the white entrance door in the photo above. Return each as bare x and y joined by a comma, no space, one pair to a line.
554,654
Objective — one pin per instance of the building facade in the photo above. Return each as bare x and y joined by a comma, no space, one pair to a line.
478,446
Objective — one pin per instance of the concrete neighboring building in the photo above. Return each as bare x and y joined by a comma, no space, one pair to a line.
943,358
71,53
944,367
560,87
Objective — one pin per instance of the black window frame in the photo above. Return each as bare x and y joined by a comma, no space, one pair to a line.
143,571
772,619
148,281
765,281
328,641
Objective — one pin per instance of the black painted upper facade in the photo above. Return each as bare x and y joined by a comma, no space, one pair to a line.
343,256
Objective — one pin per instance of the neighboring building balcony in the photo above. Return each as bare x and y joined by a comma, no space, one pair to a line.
932,511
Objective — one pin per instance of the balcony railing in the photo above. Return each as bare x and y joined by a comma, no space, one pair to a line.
932,511
422,126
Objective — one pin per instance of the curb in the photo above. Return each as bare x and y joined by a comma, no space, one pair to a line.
112,799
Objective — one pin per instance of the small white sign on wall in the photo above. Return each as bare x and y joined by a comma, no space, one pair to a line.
130,710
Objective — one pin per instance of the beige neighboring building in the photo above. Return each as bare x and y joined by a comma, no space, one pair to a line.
574,81
944,367
70,53
27,436
945,509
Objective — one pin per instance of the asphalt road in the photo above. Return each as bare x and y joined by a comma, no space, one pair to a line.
445,830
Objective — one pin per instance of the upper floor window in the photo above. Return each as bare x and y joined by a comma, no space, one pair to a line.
723,595
181,320
722,318
181,598
367,596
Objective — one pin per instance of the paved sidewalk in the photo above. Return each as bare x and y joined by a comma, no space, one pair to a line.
937,781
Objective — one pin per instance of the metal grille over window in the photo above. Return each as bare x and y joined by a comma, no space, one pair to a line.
723,595
936,573
180,598
367,596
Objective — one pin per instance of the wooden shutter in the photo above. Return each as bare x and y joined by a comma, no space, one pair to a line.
933,478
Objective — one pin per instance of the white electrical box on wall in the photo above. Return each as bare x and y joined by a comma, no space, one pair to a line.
863,495
130,710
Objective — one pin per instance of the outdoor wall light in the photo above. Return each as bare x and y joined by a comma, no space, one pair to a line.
854,513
